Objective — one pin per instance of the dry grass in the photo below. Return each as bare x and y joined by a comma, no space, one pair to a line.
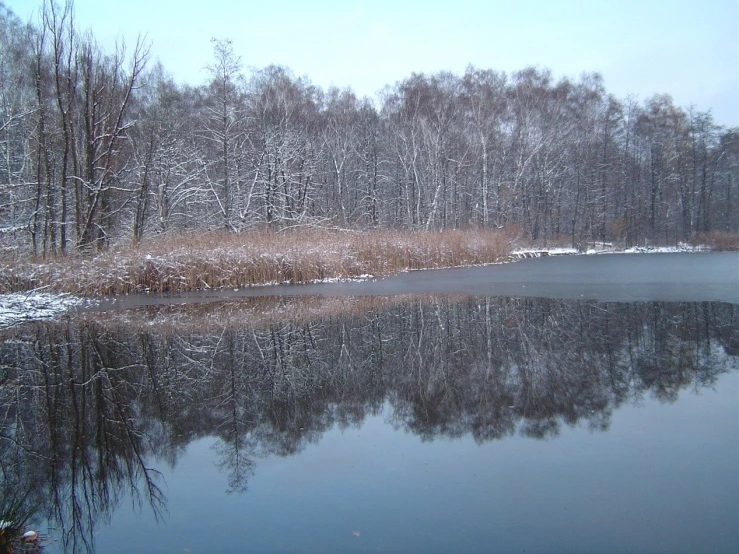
718,240
220,259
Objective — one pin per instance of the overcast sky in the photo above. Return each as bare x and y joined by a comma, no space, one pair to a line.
686,48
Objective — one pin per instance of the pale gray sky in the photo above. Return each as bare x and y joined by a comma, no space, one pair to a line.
686,48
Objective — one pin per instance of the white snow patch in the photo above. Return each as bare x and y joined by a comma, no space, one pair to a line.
605,248
539,252
357,279
682,247
20,307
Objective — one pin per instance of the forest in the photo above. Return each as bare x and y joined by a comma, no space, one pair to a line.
100,148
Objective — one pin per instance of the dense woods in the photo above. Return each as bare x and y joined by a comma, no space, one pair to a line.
104,147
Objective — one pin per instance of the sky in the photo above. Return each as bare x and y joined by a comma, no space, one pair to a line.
686,48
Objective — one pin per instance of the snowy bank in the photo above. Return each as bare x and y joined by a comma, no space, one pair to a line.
666,249
606,248
539,252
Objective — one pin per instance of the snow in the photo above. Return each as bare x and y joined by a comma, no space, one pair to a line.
539,252
357,279
682,247
20,307
606,248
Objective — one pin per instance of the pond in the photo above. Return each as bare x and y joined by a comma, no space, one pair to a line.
420,413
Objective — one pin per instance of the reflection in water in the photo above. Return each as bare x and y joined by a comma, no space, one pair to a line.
88,410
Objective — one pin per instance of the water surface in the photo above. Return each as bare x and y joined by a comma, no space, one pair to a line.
670,277
427,423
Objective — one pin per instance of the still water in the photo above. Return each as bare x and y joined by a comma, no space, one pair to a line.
383,423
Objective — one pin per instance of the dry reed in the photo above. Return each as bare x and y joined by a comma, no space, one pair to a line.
718,240
178,263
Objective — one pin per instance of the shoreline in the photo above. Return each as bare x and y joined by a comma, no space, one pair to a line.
224,260
33,305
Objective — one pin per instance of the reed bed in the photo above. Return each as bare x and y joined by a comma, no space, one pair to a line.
179,263
718,241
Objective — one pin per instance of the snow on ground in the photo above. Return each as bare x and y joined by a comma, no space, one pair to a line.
539,252
682,247
606,248
20,307
357,279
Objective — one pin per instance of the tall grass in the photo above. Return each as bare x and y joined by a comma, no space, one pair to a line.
16,511
178,263
718,240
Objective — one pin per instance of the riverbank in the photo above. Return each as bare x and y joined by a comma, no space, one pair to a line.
223,262
218,260
214,260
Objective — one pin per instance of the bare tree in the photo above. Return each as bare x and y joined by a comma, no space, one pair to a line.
222,118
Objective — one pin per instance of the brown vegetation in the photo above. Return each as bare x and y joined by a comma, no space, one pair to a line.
718,240
178,263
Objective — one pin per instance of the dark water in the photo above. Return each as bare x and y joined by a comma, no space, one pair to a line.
379,424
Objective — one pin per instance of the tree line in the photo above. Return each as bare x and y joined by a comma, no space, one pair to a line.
99,147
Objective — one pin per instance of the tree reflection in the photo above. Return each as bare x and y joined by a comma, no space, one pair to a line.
87,410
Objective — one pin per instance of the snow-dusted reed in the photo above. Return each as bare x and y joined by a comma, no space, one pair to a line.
220,259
